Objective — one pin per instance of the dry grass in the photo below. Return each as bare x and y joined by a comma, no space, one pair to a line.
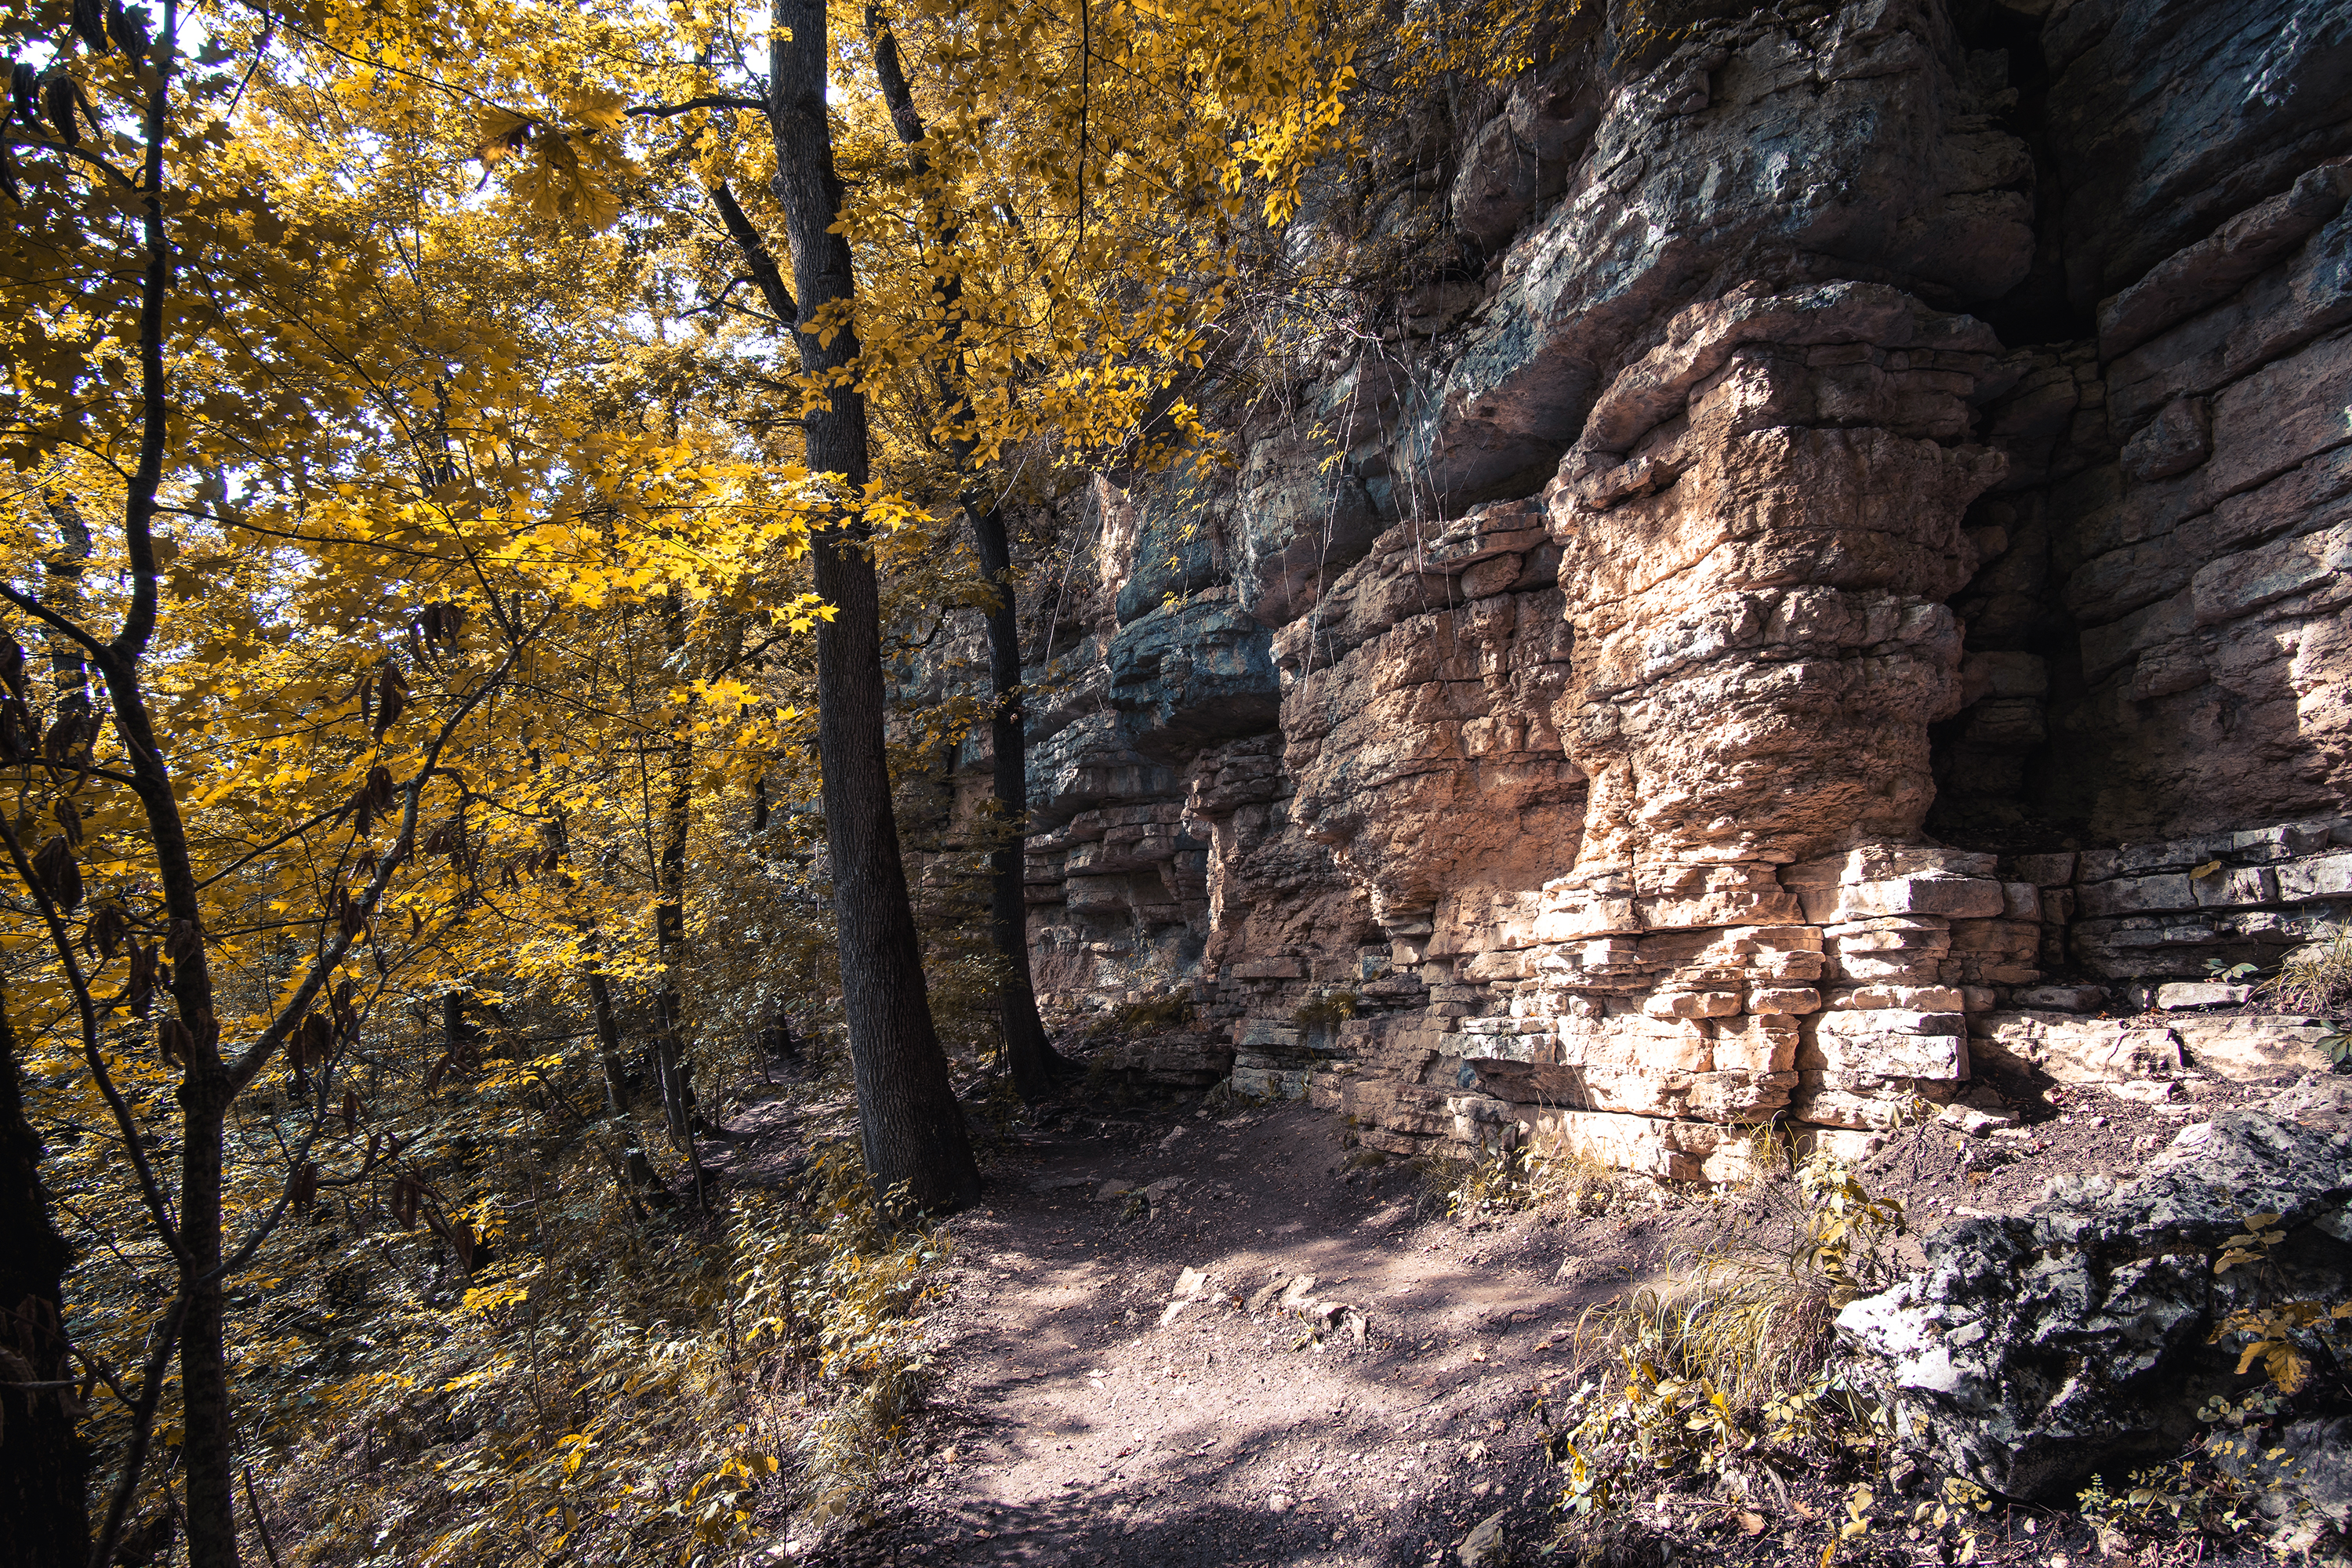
1734,1373
1325,1009
2315,979
1573,1183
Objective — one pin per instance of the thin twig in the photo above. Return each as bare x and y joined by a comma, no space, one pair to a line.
260,1525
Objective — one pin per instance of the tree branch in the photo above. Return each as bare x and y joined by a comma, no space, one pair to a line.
154,284
248,1066
157,1206
716,101
142,1430
757,256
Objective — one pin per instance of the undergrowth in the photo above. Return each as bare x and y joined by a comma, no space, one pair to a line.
2316,979
1732,1381
2235,1481
1731,1375
617,1390
1150,1015
1571,1181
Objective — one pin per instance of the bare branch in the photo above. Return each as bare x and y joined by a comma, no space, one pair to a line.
665,110
158,1207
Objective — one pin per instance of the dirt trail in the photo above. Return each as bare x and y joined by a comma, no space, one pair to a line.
1073,1424
1078,1420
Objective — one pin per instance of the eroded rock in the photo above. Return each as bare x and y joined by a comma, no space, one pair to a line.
2037,1349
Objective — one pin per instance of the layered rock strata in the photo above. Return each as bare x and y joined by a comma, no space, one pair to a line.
1846,573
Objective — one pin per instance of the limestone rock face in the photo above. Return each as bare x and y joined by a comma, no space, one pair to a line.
1761,146
1830,568
2037,1348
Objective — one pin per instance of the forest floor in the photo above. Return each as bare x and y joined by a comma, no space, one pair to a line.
1080,1415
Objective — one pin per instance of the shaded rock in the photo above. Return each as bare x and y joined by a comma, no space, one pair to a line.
2200,994
2036,1350
2322,1453
2323,1102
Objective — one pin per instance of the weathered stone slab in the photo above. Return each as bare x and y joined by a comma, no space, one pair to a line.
2070,1049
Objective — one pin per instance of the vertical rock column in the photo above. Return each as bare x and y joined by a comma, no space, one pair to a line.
1759,529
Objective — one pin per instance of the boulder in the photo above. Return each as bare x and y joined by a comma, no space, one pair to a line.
2037,1349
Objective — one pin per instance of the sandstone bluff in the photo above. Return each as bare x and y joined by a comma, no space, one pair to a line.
1832,573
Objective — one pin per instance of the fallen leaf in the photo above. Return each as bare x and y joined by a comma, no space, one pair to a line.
1751,1524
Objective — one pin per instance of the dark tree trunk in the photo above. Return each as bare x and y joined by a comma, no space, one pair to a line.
617,1089
671,1067
61,572
1028,1053
913,1130
44,1468
210,1451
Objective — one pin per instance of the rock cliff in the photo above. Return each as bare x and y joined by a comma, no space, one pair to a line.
1829,561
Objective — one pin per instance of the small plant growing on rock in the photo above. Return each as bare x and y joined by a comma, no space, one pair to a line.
2286,1339
2183,1498
1324,1009
2316,980
1150,1015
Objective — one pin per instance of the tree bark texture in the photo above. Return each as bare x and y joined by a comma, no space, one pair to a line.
61,572
913,1130
43,1467
608,1041
1027,1052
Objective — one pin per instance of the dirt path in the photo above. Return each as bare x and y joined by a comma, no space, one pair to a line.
1084,1418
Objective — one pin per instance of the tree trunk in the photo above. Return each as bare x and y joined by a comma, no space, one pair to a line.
608,1041
674,1071
43,1467
209,1452
1028,1053
61,571
913,1130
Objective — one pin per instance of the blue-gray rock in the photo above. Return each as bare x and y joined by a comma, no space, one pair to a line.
1189,675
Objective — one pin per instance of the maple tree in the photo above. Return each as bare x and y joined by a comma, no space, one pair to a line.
418,565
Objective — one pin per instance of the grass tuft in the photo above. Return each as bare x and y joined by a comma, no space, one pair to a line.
1733,1375
2317,978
